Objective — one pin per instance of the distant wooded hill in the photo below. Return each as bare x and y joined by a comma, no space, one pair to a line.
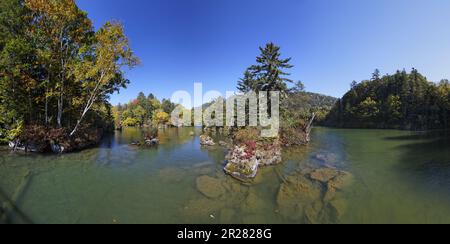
399,101
302,104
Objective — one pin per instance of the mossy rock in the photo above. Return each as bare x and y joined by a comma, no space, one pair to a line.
296,194
338,183
341,181
313,212
339,207
254,204
210,187
324,174
327,158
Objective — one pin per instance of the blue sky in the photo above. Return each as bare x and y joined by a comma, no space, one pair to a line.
331,42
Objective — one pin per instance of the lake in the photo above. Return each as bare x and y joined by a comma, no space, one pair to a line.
398,177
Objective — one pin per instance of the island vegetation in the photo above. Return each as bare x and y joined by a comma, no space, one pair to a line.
248,150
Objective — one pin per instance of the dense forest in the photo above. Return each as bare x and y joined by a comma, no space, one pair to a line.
143,111
57,72
399,101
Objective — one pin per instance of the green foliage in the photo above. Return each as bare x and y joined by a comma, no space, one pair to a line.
130,122
400,101
167,106
247,84
55,70
268,74
246,134
394,106
143,111
368,109
139,114
161,118
298,107
15,131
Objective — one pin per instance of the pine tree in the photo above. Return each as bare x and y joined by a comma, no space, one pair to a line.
376,75
247,83
268,73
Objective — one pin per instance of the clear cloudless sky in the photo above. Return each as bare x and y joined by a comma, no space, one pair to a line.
331,42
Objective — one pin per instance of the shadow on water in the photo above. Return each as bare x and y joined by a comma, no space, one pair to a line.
14,210
414,136
426,158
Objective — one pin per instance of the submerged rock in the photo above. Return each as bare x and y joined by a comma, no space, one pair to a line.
338,183
314,195
324,174
341,181
313,212
235,188
206,141
295,195
210,187
338,207
327,158
253,204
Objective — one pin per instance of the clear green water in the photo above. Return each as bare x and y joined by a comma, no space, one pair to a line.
400,177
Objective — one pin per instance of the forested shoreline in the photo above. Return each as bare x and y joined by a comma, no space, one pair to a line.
57,73
143,111
403,100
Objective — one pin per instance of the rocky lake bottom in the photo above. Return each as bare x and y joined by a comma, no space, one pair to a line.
343,176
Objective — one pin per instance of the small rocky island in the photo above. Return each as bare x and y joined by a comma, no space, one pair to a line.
244,160
248,152
150,138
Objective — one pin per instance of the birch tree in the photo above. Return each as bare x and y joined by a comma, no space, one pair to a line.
101,71
62,29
